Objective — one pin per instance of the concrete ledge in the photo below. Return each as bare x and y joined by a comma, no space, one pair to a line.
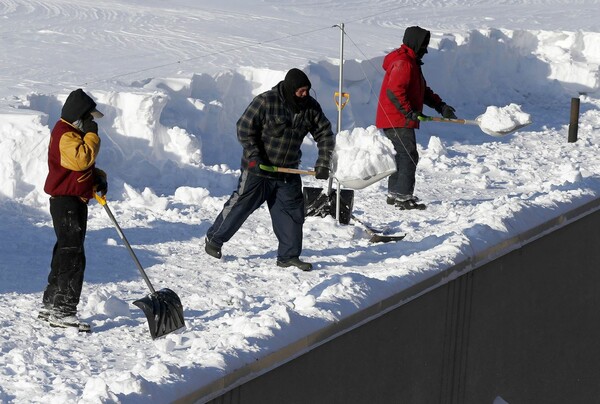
346,325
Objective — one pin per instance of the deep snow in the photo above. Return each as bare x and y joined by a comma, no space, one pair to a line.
173,80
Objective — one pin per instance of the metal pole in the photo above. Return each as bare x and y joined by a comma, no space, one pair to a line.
574,122
339,121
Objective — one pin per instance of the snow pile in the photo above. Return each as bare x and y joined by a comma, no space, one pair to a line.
501,121
362,156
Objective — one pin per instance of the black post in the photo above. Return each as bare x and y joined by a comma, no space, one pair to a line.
574,122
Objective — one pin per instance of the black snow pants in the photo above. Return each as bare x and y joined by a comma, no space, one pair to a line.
69,217
286,207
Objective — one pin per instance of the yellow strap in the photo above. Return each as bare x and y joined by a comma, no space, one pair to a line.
345,96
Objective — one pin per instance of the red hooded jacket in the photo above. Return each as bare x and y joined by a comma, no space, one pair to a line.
403,90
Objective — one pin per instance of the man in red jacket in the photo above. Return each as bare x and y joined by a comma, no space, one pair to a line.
403,93
71,181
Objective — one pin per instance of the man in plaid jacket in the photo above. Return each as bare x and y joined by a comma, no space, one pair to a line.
271,131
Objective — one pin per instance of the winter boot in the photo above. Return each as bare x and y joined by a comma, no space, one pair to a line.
69,321
212,249
405,202
410,204
44,313
295,262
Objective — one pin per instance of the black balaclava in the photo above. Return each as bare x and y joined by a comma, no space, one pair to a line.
417,39
295,79
77,106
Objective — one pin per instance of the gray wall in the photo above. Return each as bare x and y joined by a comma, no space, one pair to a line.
524,327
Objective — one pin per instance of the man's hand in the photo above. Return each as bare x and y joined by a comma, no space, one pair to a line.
447,111
322,173
100,182
413,116
89,125
254,166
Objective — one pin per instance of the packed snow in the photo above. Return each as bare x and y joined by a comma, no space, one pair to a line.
362,156
173,80
498,121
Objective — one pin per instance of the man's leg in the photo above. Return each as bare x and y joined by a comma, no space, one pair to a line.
65,281
402,182
287,216
251,193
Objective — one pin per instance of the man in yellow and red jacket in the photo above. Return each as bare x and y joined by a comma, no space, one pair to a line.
71,182
404,91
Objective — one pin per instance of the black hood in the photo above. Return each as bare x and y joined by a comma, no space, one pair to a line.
295,79
77,105
416,38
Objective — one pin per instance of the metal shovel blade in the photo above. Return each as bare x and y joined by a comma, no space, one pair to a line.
477,121
163,311
363,182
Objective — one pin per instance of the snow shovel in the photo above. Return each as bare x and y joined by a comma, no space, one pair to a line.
162,308
477,121
353,183
377,235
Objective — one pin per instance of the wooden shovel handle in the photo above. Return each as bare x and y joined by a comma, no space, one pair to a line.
274,169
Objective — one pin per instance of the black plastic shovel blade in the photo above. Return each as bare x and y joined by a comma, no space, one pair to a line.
318,203
163,310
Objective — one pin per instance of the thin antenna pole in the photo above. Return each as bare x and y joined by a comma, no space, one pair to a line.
339,121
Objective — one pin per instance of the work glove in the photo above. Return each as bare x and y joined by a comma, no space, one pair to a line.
100,182
89,125
254,166
413,116
447,111
322,173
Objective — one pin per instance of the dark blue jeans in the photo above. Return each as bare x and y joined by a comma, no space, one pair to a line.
286,207
402,183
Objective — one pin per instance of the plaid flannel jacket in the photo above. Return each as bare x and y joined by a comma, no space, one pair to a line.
269,131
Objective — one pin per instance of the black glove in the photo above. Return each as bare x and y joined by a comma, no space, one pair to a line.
322,173
100,182
413,116
447,111
89,125
254,166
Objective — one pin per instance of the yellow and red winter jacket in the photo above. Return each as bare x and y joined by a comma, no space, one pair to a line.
71,162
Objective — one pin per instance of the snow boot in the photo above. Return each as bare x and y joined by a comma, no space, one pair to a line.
295,262
410,204
405,202
212,249
44,313
57,320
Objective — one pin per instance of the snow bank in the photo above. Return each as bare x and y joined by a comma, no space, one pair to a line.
24,139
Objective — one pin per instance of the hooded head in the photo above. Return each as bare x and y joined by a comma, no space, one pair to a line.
295,79
79,106
417,39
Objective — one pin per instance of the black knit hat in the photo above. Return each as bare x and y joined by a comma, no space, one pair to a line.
77,105
295,79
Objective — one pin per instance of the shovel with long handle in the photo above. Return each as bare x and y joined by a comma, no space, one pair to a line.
162,307
353,183
477,121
